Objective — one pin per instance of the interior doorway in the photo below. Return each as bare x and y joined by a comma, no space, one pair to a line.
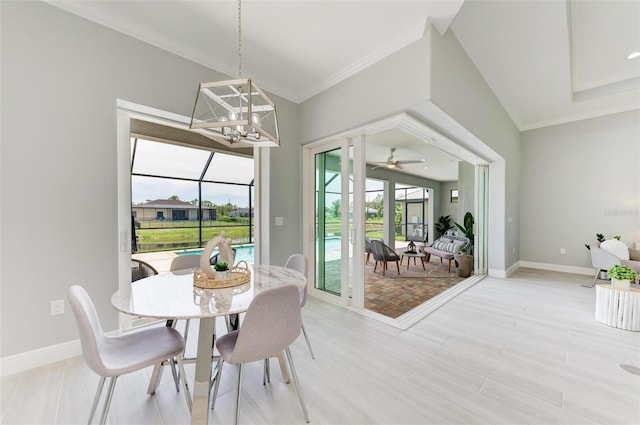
340,174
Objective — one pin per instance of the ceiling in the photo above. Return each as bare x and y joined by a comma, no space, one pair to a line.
548,62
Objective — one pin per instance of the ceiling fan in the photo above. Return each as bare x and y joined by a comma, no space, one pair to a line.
391,162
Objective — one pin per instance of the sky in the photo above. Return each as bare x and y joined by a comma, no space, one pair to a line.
163,159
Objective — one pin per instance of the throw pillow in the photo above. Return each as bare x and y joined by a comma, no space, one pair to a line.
616,247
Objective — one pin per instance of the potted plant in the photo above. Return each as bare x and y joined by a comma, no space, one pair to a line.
443,224
464,259
464,263
621,276
222,270
467,229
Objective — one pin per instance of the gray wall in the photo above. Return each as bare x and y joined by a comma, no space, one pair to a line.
446,207
466,187
458,89
579,179
61,76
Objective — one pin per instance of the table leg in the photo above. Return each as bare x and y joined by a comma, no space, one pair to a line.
283,367
202,381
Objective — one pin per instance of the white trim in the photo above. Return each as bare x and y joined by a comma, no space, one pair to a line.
413,316
558,268
40,357
501,274
513,268
411,35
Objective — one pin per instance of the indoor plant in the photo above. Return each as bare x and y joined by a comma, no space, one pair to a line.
222,270
443,224
621,276
464,263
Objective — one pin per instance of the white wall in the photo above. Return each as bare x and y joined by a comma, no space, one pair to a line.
61,77
579,179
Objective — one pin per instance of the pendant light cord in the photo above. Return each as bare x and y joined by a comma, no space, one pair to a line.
240,38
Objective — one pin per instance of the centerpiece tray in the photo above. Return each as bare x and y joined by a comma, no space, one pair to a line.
238,275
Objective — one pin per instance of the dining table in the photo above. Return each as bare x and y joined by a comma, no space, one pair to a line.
173,296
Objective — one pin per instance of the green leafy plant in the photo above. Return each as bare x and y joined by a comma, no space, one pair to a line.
443,224
622,272
600,238
221,266
467,229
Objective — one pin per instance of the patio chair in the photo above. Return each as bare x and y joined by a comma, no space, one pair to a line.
383,253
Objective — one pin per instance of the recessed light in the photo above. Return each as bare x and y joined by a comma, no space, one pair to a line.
426,168
633,55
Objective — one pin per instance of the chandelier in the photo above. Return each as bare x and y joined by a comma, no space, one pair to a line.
236,110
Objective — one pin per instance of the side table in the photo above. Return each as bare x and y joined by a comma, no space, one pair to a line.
413,255
618,308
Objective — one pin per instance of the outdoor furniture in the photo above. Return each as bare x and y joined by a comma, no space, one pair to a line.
446,247
383,253
414,255
140,270
367,249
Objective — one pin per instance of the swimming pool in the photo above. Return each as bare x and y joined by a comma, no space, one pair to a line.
243,253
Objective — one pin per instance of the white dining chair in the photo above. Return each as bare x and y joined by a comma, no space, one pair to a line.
270,326
113,356
300,263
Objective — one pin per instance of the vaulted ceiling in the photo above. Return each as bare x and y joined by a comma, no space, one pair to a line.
548,62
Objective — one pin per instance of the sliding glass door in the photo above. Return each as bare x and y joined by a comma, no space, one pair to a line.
334,229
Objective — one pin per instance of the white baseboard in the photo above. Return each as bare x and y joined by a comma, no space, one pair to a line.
558,268
40,357
497,273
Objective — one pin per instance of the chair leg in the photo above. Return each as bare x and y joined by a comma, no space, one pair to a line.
176,380
235,421
107,404
216,378
375,266
304,332
297,383
449,265
96,398
398,266
185,384
266,373
595,279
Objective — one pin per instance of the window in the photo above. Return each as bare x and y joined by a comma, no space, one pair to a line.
454,196
182,196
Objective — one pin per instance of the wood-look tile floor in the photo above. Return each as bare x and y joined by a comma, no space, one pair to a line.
522,350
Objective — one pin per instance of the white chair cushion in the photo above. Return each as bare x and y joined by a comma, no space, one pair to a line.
616,247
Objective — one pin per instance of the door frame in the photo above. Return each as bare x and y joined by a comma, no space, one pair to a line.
421,130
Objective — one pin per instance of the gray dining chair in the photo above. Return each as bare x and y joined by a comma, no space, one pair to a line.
272,323
141,270
300,263
113,356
